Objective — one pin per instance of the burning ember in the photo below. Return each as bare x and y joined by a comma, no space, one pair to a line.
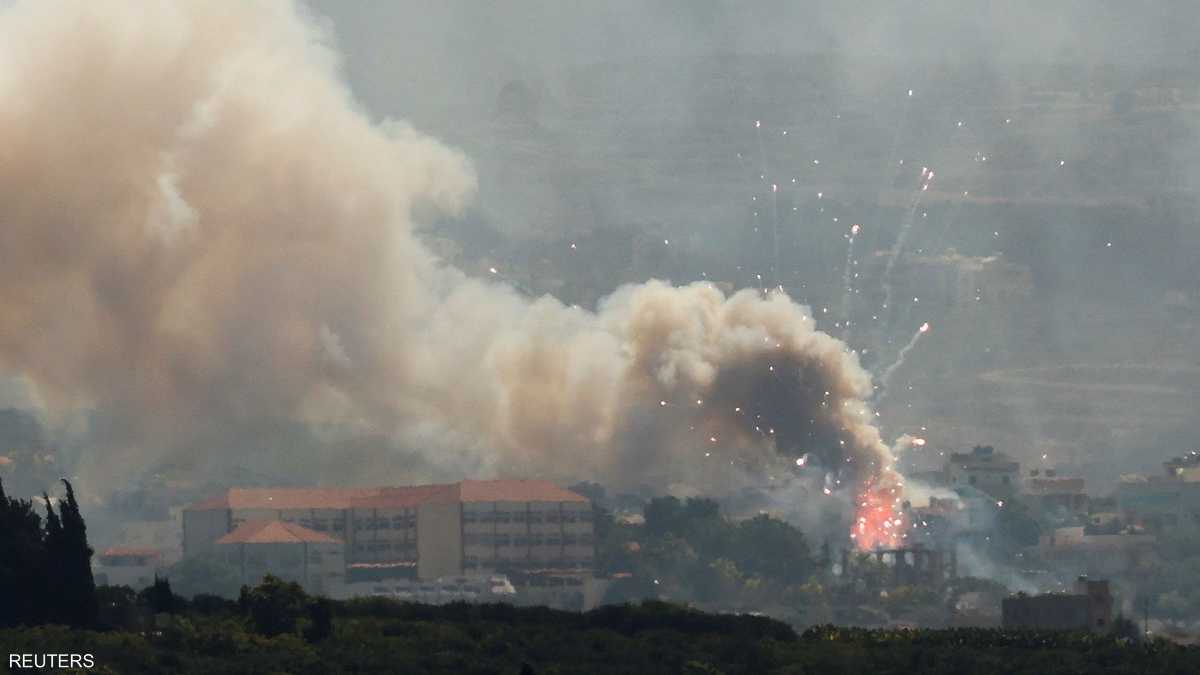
879,523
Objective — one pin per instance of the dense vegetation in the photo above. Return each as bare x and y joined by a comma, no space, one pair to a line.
45,568
277,628
688,551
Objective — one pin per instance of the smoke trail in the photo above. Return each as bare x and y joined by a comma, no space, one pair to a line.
886,378
213,238
778,282
847,280
762,160
901,238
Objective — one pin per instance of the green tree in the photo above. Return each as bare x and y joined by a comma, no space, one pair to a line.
320,615
1015,527
669,515
159,598
663,515
23,578
58,597
76,565
772,549
274,606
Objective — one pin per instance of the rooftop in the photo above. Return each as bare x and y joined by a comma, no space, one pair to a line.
1049,486
275,532
984,457
514,491
388,497
405,497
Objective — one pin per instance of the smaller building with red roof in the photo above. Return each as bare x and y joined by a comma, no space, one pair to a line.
289,551
132,566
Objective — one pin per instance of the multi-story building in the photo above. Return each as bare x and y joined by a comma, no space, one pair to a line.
1052,494
538,534
983,469
1099,554
1170,501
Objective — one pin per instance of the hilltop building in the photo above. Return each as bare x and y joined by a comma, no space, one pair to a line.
1170,501
1109,554
330,539
1050,493
983,469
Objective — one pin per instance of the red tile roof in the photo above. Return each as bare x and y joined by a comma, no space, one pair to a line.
389,497
286,498
515,491
275,532
406,497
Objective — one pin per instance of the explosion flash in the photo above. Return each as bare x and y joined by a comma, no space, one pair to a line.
879,522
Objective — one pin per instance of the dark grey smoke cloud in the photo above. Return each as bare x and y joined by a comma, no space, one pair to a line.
211,248
217,272
644,123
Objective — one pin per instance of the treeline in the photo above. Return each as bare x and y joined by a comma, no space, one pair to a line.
276,627
688,550
45,564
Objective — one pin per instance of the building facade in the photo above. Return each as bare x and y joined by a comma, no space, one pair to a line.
1088,608
1051,494
539,535
1167,502
983,469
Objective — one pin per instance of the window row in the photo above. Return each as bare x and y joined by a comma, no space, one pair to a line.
321,524
565,562
393,523
379,546
524,516
528,539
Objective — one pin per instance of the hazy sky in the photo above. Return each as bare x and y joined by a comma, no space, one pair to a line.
272,260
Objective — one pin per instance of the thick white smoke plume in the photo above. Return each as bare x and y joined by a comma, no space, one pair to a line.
201,231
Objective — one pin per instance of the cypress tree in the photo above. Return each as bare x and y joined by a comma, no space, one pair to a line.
22,562
56,586
159,597
76,565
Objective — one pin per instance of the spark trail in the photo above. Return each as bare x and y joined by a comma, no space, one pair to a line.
901,238
886,378
848,280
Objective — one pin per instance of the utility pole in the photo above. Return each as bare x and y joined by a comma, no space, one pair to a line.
1146,617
